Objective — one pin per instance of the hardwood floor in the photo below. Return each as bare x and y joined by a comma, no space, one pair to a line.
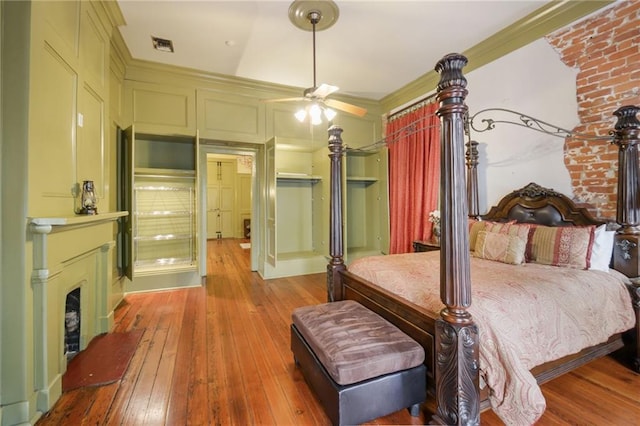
220,355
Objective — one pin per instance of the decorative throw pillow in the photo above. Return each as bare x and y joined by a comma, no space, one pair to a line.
602,249
502,247
476,226
511,228
566,246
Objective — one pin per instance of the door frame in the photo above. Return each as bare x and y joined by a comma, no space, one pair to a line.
256,243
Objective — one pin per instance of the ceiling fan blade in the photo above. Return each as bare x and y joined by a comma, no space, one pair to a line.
324,90
283,100
343,106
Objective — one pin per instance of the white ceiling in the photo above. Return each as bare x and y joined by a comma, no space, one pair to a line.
374,48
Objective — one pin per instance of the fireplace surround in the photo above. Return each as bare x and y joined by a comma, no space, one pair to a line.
71,255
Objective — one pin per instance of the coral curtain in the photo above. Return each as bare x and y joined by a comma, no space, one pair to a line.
414,175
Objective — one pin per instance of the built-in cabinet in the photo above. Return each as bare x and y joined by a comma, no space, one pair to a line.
364,203
164,225
297,206
294,212
161,196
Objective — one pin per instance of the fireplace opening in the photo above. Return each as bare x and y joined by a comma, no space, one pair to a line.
72,324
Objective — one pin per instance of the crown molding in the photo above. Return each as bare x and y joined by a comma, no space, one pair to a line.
550,17
154,72
112,12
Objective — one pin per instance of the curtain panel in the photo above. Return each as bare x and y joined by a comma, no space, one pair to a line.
414,174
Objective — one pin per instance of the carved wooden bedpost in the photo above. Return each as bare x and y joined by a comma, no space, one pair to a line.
457,366
626,255
336,241
472,179
626,134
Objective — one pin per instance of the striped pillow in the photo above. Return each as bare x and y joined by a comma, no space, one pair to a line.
566,246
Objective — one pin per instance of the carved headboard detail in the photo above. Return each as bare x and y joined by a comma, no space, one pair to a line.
543,206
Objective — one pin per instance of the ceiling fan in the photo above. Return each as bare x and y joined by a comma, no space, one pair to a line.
317,16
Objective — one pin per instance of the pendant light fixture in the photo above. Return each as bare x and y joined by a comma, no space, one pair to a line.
317,15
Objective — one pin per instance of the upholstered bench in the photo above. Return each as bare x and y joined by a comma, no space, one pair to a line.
360,366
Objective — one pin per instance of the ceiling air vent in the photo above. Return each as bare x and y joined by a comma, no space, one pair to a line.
162,44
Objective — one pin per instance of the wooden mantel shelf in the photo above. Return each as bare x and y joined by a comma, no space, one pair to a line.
77,220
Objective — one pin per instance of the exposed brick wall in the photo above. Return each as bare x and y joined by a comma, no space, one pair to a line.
605,49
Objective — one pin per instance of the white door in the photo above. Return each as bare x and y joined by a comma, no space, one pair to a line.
220,198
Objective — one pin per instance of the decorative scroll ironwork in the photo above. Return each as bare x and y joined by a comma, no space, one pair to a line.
527,121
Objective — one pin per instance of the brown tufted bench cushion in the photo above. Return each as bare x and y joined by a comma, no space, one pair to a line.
360,366
354,343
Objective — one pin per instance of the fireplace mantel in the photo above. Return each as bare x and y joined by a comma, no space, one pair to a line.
40,224
55,271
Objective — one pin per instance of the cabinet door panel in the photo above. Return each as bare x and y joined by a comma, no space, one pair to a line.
271,202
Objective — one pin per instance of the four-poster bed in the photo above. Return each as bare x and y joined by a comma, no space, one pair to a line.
449,334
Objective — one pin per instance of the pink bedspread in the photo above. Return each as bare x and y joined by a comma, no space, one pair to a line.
526,315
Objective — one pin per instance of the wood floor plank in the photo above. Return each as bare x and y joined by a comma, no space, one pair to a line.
198,394
63,409
582,395
280,332
139,400
131,397
179,390
217,334
100,403
615,380
272,370
265,405
220,354
228,357
171,321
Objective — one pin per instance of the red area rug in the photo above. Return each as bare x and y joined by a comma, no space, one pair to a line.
104,361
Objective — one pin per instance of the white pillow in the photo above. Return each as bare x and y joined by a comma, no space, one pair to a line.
602,249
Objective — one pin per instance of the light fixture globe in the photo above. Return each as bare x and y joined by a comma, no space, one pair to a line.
315,112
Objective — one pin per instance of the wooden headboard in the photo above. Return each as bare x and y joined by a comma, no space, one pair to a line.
543,206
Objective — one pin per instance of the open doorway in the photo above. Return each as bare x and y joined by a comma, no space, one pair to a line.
228,196
229,199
